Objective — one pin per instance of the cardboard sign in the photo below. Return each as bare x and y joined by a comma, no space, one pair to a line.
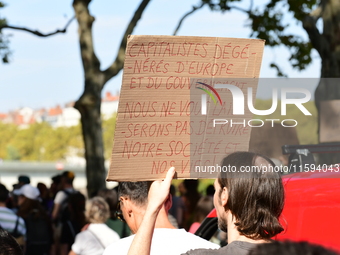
330,121
162,119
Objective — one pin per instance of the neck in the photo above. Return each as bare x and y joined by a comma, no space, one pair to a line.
163,220
234,235
2,204
67,186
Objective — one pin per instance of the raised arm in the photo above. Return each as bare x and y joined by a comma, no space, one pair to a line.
158,193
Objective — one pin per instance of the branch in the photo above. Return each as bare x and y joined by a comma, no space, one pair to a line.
37,33
117,65
194,8
314,35
239,9
85,21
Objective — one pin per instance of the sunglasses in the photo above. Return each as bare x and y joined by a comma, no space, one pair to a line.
119,213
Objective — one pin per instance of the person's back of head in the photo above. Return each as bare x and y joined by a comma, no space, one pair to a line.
8,245
3,193
137,192
290,248
23,179
255,194
67,177
111,198
76,208
97,210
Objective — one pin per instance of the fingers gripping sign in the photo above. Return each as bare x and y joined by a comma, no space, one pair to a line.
160,190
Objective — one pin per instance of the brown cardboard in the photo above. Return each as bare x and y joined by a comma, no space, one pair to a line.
154,114
330,121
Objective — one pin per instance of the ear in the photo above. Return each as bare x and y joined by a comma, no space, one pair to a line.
224,196
126,204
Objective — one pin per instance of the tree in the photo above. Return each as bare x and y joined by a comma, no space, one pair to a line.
4,50
267,21
89,102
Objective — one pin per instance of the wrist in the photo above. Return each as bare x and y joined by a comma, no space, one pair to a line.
152,210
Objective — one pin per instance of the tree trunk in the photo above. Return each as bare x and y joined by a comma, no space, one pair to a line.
90,101
327,44
89,108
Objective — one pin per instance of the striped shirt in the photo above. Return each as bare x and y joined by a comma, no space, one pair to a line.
8,220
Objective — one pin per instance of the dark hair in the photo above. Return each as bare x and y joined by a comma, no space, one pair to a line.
111,198
8,245
76,204
3,193
290,248
135,191
255,198
56,179
24,179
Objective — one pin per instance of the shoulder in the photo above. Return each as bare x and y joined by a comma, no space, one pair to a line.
198,241
240,247
6,211
236,247
206,252
184,241
60,197
119,247
103,229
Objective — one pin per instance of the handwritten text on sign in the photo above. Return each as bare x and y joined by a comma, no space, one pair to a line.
159,122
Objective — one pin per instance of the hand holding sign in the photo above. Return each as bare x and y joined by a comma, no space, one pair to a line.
159,191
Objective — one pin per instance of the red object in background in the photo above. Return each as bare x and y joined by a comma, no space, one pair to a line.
311,212
312,208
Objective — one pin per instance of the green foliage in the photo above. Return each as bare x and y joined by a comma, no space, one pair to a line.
307,125
7,131
271,22
12,153
41,142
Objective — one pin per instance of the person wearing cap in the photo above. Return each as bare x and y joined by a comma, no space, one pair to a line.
9,221
39,229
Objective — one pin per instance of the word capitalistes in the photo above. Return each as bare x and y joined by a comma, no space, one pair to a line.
186,49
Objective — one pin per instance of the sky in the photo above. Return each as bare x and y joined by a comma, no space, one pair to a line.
45,72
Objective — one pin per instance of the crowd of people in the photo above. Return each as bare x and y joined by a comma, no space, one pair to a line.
59,220
149,217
